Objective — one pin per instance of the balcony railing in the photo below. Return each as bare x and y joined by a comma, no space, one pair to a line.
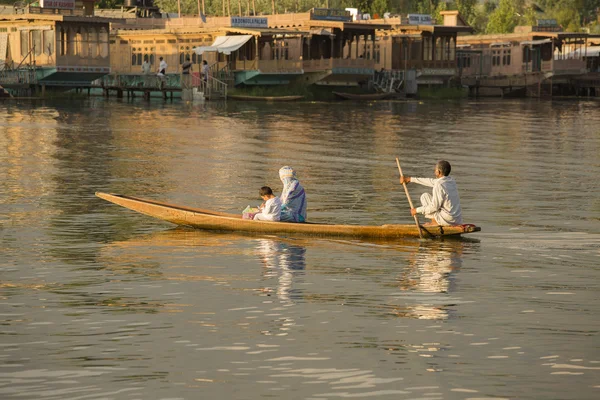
280,66
39,10
18,77
324,64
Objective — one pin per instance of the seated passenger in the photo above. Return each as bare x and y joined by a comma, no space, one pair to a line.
270,210
293,198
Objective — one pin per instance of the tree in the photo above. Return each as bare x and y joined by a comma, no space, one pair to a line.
504,18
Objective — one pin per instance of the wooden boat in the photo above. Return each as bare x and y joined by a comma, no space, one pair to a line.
218,221
263,98
363,96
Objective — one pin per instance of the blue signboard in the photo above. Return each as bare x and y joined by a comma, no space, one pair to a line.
330,14
249,22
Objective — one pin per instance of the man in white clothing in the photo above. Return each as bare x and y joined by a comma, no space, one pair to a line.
270,210
162,67
443,205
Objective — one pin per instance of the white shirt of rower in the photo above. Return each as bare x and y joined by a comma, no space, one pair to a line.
445,203
271,211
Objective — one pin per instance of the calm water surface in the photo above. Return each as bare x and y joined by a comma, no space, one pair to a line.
98,302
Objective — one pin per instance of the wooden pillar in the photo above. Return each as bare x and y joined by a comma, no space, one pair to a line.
256,51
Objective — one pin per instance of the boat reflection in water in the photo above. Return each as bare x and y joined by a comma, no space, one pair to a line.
283,262
428,281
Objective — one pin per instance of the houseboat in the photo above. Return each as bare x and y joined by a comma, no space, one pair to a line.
533,61
59,44
417,51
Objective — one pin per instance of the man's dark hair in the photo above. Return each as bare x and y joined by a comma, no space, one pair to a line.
444,167
265,191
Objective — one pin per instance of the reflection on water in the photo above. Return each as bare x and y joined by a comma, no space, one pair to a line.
430,270
284,263
100,302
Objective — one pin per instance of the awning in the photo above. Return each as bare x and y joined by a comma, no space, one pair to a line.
321,32
225,44
592,51
534,42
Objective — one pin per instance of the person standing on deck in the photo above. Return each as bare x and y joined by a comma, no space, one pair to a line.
205,70
443,205
293,197
146,67
186,70
162,67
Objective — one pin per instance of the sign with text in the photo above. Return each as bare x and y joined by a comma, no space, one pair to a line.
330,14
420,19
249,22
63,4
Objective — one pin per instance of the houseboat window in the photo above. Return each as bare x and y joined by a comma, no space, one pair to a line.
24,43
94,43
79,45
70,42
63,42
427,51
526,54
48,43
103,36
36,40
438,49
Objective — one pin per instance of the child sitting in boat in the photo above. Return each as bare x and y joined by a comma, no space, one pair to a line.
270,210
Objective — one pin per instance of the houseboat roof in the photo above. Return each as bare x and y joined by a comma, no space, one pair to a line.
55,18
433,28
519,37
262,31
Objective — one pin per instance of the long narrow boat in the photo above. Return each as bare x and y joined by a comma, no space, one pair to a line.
363,96
218,221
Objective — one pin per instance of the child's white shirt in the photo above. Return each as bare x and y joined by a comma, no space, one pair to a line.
271,211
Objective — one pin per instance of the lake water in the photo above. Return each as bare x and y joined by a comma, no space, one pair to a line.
99,302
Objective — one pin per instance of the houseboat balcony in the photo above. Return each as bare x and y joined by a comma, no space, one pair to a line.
26,76
59,11
567,67
280,66
324,64
264,66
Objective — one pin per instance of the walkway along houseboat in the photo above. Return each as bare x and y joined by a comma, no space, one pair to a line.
43,47
533,61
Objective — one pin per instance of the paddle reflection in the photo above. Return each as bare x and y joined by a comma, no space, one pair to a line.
283,262
429,279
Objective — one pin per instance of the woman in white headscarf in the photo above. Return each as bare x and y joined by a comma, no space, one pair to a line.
293,198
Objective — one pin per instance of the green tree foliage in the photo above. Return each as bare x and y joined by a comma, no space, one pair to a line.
504,18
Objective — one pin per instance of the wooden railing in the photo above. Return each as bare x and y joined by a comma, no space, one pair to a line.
59,11
329,63
280,66
212,87
172,81
18,77
245,65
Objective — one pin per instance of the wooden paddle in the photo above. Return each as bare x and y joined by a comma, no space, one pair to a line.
409,200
